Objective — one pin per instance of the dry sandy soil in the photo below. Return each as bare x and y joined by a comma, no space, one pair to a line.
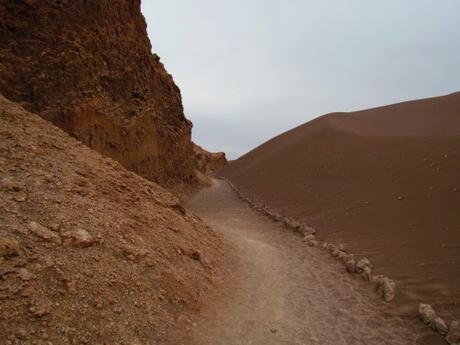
385,182
281,291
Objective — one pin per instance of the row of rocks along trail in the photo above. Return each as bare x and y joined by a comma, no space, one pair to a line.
281,291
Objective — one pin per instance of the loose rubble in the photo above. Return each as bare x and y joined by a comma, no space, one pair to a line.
91,247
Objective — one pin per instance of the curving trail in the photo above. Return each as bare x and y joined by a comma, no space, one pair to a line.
281,291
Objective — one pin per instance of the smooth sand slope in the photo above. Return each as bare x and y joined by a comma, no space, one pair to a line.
385,182
280,291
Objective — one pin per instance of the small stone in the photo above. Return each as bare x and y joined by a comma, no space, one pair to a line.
307,230
308,238
25,274
9,247
20,197
195,255
44,233
364,262
72,287
387,289
313,243
335,253
331,248
426,313
453,337
39,311
429,316
377,279
440,325
350,266
344,257
21,334
82,238
99,305
367,273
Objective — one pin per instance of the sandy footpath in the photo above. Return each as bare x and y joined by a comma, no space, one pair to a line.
284,292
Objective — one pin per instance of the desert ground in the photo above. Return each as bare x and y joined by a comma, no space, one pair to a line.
117,228
382,182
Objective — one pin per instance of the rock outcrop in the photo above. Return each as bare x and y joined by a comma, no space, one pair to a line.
208,162
91,253
87,67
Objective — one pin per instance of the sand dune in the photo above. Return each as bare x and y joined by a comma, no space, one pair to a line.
385,182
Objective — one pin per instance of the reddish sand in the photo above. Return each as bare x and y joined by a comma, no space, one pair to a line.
385,182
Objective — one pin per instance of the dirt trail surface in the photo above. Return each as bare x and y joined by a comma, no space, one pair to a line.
283,292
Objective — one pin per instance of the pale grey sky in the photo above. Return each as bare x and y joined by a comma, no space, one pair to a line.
251,69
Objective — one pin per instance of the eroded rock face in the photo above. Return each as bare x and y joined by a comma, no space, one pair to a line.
208,162
87,67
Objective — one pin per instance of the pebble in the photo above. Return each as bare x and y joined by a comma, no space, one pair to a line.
9,247
82,238
44,233
453,337
387,289
363,263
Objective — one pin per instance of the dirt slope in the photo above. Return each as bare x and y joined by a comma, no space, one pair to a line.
87,67
385,182
91,253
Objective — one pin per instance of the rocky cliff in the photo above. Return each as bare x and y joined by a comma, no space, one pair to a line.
208,162
91,253
87,67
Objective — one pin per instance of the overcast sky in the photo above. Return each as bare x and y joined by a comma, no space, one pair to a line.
252,69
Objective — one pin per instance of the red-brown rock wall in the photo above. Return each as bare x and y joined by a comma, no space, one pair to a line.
87,67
